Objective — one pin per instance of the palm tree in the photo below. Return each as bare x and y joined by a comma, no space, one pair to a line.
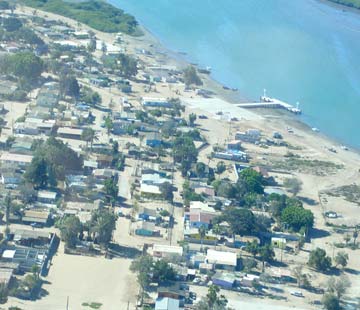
202,233
217,231
89,135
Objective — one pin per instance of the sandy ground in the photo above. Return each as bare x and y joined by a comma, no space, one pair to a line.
75,277
217,130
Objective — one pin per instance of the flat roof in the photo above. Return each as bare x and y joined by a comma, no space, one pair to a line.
11,157
69,131
222,258
170,249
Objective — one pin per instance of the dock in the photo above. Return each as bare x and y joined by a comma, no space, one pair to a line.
273,103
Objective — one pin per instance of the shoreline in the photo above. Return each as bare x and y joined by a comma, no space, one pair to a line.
213,85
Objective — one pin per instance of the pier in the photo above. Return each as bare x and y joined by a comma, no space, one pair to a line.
273,103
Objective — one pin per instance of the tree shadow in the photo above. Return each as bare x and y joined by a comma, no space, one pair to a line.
316,233
120,251
352,271
308,201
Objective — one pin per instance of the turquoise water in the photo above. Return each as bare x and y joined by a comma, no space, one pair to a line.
299,50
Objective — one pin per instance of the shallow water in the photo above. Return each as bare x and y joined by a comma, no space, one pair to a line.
300,51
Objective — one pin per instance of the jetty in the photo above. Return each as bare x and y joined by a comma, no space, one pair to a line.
268,102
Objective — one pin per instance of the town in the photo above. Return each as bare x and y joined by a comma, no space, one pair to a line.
127,184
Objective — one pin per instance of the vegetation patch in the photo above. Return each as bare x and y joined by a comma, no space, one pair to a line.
349,3
92,305
96,14
351,193
314,167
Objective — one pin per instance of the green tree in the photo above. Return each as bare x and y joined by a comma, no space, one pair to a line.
202,233
89,135
253,248
212,301
249,264
297,217
109,125
142,266
70,229
184,152
24,65
166,190
37,172
4,5
191,76
341,259
4,292
111,189
200,169
220,167
251,180
7,211
293,185
127,66
11,24
241,221
319,260
267,254
331,302
192,119
163,272
103,224
355,236
69,86
338,286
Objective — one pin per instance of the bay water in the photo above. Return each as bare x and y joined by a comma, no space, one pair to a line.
299,50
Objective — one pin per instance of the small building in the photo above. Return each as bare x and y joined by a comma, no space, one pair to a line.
250,136
147,214
163,251
153,139
34,216
249,280
6,275
234,145
18,159
156,103
32,238
47,196
166,303
277,242
70,133
221,259
224,280
147,229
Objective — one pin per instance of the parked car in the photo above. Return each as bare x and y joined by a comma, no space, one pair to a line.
297,294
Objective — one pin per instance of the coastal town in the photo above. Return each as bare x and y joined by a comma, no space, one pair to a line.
131,180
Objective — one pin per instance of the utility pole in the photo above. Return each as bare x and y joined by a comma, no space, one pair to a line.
67,303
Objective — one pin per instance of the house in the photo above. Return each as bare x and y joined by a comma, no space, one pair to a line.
221,259
103,174
149,215
156,103
70,133
232,155
234,145
104,160
34,216
163,251
147,229
278,242
6,275
203,189
175,291
32,238
90,166
22,145
200,214
224,280
250,136
166,303
83,206
10,178
153,139
81,35
49,95
249,280
48,197
18,159
7,88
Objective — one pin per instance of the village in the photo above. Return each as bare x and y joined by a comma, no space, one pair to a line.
127,184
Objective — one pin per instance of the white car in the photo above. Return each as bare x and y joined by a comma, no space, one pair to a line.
297,294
